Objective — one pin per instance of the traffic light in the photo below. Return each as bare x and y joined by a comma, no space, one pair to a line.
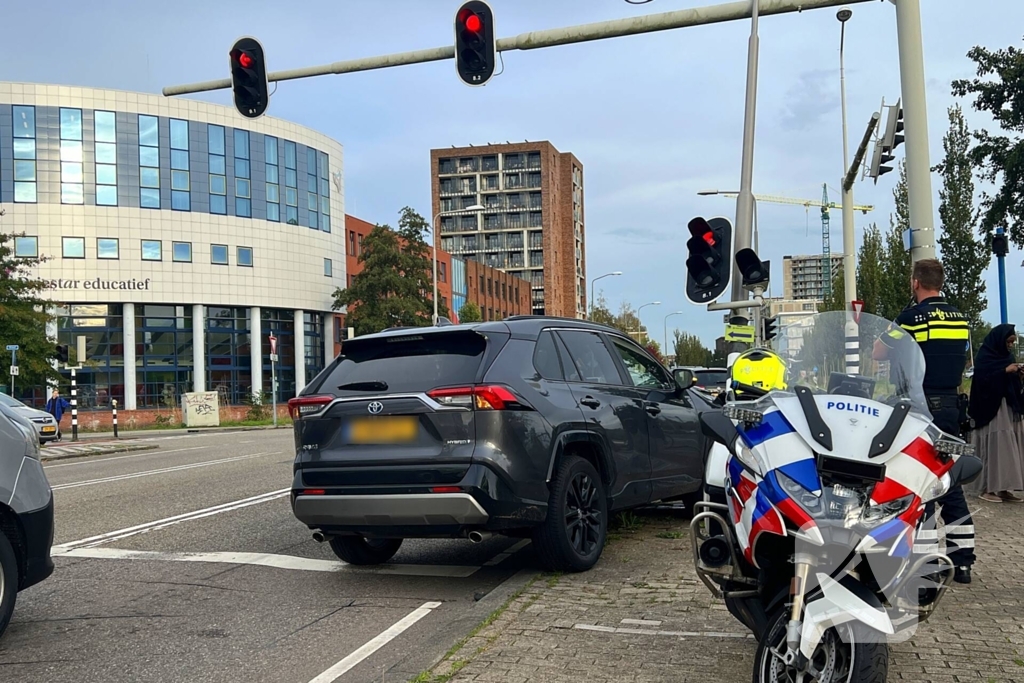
61,351
892,137
769,328
1000,244
475,47
249,78
708,260
755,272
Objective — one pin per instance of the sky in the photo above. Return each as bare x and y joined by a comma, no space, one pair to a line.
654,118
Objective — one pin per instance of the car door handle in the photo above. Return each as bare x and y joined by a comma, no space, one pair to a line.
590,402
653,409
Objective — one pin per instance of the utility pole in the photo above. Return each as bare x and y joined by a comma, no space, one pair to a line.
915,113
849,232
745,201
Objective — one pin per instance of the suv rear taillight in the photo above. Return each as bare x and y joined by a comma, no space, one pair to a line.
489,397
303,406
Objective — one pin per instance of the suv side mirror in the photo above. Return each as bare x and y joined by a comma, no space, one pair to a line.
684,378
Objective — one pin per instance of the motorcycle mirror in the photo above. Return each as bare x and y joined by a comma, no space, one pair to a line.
966,470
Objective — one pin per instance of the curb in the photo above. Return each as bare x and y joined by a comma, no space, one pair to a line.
142,434
88,451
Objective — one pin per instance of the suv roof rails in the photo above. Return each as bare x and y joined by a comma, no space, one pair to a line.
560,318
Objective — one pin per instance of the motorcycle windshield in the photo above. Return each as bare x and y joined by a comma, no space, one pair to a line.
870,358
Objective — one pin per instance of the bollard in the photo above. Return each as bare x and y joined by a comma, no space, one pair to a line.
74,406
114,408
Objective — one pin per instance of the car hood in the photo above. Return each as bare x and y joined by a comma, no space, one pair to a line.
33,413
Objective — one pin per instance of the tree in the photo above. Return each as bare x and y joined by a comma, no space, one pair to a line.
654,348
964,257
999,90
600,313
871,269
395,286
836,301
24,315
895,290
690,351
470,313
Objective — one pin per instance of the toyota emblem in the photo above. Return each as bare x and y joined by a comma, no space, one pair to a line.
375,407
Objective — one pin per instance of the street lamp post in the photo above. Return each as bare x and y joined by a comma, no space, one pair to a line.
849,233
640,323
665,349
437,217
594,281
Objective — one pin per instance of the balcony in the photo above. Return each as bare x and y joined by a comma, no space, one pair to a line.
446,167
490,163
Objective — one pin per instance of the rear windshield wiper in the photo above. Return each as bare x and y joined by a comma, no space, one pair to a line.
373,385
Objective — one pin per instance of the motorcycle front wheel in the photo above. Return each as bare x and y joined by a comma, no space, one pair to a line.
849,653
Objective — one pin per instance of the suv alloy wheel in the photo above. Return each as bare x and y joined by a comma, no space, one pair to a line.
573,535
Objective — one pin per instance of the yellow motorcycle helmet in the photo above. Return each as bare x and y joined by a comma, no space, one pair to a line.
760,368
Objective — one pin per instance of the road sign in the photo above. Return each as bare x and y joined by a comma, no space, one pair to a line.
14,371
273,358
739,333
858,308
273,346
13,347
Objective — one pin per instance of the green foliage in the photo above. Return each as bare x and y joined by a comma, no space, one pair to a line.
871,269
470,313
998,90
895,292
626,320
964,256
690,351
257,406
24,316
395,286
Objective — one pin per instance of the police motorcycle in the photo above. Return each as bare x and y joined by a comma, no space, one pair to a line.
816,483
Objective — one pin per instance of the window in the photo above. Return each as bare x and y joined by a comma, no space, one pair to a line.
71,181
323,168
504,291
291,192
243,201
107,248
181,200
481,284
26,247
443,271
352,243
313,201
545,357
245,256
643,371
149,162
328,268
273,179
219,254
181,252
218,170
73,247
24,154
490,287
105,134
591,358
152,250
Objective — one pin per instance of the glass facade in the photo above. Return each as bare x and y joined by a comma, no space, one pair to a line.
243,175
72,182
281,324
291,184
24,147
218,170
102,378
313,330
105,154
163,355
229,363
149,162
181,199
273,179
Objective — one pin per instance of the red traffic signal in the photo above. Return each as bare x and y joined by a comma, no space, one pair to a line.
475,47
249,78
708,259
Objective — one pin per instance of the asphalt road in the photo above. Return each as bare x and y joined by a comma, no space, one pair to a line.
186,564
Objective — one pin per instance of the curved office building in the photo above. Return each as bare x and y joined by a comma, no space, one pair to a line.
178,235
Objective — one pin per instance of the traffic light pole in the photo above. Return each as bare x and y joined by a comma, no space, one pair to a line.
745,201
915,116
650,23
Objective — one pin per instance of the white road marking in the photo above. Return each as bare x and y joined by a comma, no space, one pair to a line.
270,560
100,459
502,556
640,622
101,539
648,632
163,470
395,630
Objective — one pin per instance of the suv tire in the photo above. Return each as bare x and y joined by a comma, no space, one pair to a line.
572,537
8,581
364,551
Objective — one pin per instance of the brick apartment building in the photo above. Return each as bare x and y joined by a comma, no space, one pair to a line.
497,293
532,224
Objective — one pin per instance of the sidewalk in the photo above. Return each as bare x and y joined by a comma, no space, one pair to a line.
642,615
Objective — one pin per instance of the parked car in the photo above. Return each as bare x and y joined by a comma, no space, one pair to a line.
43,423
530,427
711,380
26,511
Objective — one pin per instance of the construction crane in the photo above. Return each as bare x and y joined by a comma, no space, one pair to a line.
826,206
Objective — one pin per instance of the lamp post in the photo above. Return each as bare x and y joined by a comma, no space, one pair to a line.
664,350
592,282
849,234
640,323
437,217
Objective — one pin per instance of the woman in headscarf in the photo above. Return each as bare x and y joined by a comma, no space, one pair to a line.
996,407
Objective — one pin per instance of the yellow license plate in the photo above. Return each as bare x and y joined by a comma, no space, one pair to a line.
49,430
382,430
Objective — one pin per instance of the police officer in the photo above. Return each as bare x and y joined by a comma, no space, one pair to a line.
943,333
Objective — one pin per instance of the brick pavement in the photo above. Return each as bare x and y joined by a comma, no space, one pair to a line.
642,616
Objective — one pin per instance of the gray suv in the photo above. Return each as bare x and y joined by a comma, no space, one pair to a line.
530,427
26,511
